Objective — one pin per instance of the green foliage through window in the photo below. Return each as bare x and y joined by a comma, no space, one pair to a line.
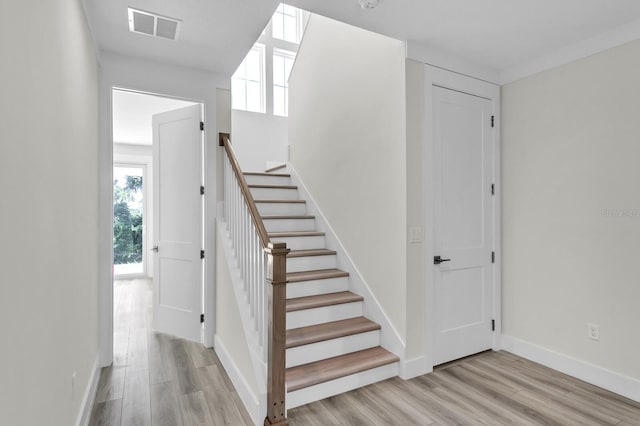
127,220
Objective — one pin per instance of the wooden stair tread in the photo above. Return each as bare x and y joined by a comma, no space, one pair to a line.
281,201
314,373
311,252
295,234
274,168
274,186
320,274
329,299
266,174
329,330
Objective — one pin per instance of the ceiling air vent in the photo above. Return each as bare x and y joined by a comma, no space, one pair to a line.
154,25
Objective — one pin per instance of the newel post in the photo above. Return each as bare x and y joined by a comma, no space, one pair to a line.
277,293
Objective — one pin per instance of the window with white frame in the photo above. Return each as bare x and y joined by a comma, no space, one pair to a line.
248,82
287,23
282,64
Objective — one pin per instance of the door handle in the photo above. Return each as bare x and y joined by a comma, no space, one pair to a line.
155,248
438,260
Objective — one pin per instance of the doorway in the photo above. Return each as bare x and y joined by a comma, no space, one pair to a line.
140,211
462,151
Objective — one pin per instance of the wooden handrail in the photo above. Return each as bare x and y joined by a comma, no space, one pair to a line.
276,280
225,141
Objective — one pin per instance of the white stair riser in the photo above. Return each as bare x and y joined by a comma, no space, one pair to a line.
316,287
287,225
323,314
267,180
301,243
341,385
332,347
281,209
274,194
311,263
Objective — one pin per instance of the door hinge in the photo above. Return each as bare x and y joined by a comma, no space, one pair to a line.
201,254
202,125
493,121
493,189
493,257
201,190
201,318
493,325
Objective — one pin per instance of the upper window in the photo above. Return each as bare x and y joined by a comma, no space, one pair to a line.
248,82
287,23
282,64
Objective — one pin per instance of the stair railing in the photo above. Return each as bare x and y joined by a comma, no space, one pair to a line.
263,270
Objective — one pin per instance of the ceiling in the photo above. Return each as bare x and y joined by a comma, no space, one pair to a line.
497,34
132,114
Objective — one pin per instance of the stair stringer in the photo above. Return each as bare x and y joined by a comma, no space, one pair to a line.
390,339
255,404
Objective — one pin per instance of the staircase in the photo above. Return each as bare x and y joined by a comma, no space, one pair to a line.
330,346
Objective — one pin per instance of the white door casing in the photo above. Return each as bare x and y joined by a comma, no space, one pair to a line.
463,224
178,268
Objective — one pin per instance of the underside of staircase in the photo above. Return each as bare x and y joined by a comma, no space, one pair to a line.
330,346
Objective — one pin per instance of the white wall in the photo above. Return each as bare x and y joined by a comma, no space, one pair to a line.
231,342
416,206
258,139
49,210
571,218
151,77
347,138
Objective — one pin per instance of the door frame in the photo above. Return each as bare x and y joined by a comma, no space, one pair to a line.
105,262
434,76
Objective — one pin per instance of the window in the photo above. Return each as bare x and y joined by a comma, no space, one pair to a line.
287,23
282,64
247,83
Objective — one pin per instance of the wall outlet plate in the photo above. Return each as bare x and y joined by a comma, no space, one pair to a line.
593,331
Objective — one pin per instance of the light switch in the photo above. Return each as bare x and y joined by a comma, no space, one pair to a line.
415,235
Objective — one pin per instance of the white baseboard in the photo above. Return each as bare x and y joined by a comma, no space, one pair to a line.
413,368
89,395
251,401
598,376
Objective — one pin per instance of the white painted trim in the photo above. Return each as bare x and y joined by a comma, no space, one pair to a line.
413,368
590,373
390,339
255,404
340,385
89,395
607,40
431,56
435,76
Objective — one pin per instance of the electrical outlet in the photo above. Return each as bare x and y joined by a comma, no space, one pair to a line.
415,235
593,331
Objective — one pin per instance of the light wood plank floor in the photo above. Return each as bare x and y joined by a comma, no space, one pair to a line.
491,388
157,379
160,380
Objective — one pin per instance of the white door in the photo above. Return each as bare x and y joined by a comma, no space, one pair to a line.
463,224
177,209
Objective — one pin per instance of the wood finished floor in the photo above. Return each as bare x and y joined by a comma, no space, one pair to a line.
160,380
157,379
